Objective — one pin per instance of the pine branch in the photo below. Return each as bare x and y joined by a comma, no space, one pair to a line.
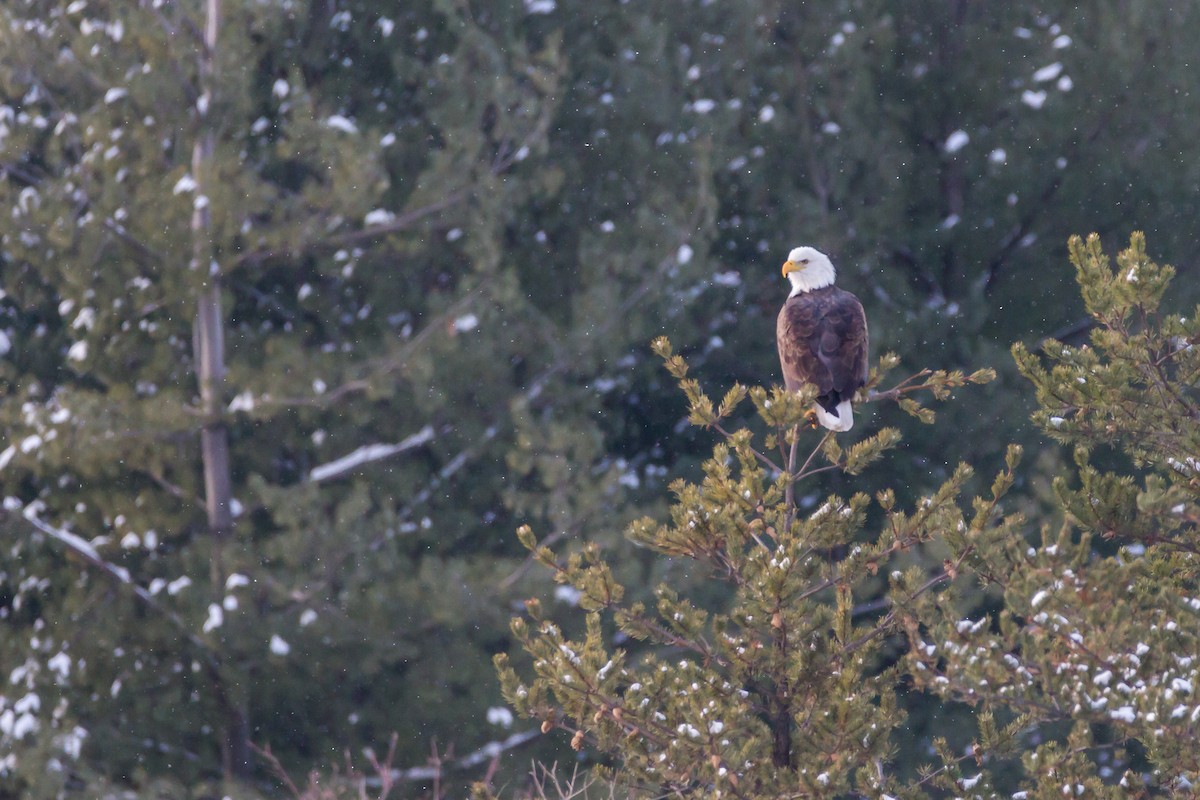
565,532
84,550
887,623
378,368
904,387
367,454
762,457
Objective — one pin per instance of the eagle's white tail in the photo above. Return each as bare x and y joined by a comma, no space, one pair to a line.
842,422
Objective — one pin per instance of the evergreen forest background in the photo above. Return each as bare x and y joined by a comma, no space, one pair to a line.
307,306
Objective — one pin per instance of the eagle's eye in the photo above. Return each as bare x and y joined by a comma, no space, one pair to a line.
804,261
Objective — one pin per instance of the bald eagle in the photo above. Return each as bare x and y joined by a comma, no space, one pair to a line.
821,334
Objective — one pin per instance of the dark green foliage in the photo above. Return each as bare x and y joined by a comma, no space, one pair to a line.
338,598
446,230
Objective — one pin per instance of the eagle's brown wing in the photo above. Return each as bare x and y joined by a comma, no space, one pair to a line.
822,339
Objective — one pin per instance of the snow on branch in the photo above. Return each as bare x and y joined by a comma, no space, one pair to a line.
84,549
385,776
367,454
488,752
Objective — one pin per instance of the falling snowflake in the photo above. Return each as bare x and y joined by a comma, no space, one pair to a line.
956,141
1033,99
1048,73
340,123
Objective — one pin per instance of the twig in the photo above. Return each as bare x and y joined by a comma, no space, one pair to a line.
277,769
765,459
811,456
901,388
789,493
483,755
435,762
400,223
531,559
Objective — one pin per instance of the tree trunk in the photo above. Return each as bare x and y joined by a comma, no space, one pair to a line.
214,439
781,714
209,354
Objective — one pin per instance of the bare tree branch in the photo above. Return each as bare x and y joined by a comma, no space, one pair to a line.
488,752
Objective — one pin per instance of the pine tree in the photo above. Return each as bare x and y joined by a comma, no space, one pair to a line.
136,640
1080,677
784,684
1094,649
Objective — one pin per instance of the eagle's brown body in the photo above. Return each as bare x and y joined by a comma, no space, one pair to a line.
822,339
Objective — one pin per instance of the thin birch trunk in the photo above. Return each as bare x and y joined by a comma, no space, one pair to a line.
209,347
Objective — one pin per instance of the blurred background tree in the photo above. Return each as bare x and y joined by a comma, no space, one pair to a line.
444,236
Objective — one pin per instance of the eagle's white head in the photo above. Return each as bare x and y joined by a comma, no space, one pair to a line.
808,268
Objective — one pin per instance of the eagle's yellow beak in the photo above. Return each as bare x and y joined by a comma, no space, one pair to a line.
789,266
